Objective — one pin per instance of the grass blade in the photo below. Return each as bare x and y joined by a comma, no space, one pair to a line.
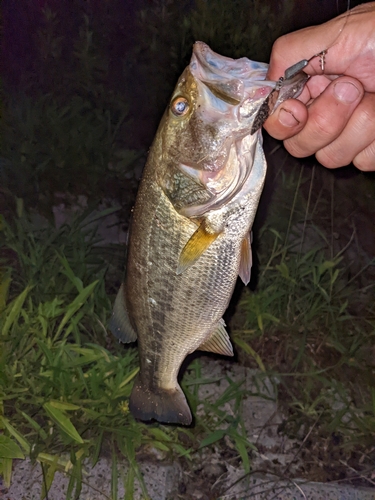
9,449
114,475
15,310
48,478
249,350
63,422
6,470
22,441
76,305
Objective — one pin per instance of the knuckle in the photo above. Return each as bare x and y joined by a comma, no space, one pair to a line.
295,149
365,117
329,157
365,160
280,44
324,126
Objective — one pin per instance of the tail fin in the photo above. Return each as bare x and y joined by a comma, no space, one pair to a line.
164,405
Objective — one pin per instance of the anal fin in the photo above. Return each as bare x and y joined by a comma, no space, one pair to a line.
219,342
119,324
246,260
201,239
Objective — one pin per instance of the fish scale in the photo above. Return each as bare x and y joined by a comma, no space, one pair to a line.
189,237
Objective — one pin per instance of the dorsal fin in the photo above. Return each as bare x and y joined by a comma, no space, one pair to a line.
195,247
246,260
119,324
219,342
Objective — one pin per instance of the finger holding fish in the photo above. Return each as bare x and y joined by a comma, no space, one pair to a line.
328,116
335,104
290,118
347,40
359,133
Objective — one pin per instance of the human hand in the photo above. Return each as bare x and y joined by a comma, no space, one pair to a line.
338,124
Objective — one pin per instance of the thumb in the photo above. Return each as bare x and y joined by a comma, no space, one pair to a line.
287,120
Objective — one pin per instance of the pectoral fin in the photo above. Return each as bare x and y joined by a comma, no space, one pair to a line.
195,247
219,341
119,324
246,260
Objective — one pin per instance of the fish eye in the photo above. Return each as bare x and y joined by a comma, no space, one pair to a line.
180,106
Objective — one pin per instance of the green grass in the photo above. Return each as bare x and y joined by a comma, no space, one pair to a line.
304,323
61,390
64,381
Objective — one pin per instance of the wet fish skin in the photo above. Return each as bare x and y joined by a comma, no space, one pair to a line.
190,228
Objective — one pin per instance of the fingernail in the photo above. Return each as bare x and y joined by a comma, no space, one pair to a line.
287,118
346,92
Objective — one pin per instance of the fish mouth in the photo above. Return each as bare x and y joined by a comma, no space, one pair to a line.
233,80
223,66
232,90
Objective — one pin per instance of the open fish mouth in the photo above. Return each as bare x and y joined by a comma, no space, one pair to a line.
216,114
232,80
230,93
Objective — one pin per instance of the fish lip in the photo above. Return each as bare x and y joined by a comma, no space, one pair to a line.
208,58
248,76
221,65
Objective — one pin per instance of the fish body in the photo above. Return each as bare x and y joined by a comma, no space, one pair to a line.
190,228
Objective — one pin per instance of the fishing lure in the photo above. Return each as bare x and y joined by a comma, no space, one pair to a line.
287,87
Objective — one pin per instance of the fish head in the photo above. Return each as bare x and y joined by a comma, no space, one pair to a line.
213,107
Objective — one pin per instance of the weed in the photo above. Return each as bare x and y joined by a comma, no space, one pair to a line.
64,385
301,322
61,390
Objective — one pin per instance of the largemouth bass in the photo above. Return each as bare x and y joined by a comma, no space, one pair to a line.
190,230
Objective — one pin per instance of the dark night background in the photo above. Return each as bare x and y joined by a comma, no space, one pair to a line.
85,82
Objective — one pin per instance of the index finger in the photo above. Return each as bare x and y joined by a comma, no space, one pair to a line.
348,40
293,47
